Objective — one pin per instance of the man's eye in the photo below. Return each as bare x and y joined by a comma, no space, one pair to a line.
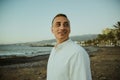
66,24
58,24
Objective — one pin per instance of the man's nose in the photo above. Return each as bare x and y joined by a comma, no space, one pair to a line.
62,27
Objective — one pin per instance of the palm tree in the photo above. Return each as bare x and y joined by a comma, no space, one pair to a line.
101,38
117,31
110,37
117,25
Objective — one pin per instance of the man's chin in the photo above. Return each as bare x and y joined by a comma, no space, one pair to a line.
62,37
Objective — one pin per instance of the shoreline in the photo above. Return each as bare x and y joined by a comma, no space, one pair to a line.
25,59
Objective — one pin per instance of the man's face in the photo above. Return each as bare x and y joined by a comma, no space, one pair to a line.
61,28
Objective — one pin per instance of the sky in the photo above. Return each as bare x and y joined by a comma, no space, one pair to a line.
30,20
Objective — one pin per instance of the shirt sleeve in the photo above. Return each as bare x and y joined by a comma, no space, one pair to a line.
79,66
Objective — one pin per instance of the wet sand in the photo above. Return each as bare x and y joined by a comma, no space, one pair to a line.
105,65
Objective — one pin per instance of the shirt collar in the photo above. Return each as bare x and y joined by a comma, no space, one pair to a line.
59,46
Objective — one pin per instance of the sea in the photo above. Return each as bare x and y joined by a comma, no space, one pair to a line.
9,51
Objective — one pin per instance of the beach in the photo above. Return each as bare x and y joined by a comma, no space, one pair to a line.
105,65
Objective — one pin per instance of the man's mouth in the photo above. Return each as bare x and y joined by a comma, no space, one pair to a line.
62,33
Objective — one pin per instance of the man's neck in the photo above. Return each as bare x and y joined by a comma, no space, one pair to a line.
61,41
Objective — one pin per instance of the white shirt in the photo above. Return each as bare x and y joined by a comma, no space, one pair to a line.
68,61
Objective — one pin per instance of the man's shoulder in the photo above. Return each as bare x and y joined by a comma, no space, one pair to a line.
77,48
75,45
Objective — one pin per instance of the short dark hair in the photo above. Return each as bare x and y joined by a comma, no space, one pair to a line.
58,15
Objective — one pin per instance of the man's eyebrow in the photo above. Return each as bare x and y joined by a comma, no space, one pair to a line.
66,22
58,22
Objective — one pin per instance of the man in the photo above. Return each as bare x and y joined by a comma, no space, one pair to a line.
67,61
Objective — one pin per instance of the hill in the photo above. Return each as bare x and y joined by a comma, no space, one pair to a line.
84,37
52,41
